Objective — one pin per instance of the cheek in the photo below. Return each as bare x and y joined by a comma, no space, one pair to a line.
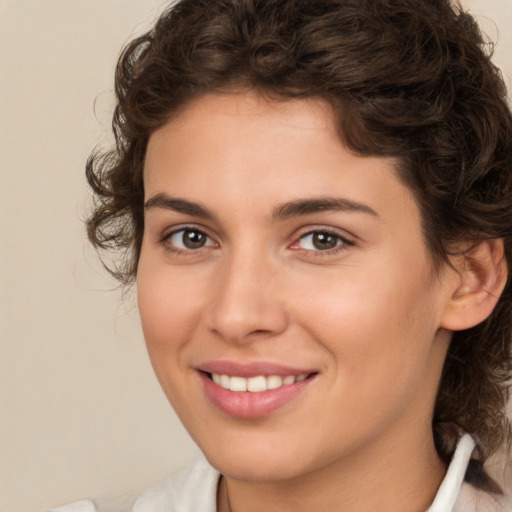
381,349
374,323
169,312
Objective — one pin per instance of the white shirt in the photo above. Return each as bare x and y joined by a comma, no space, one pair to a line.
194,489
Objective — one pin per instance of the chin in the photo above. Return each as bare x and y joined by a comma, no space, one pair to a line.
256,469
262,458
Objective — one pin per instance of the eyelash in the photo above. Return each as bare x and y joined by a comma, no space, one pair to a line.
165,241
342,242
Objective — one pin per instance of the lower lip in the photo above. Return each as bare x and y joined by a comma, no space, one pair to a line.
246,404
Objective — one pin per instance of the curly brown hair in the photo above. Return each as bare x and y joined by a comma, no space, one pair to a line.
410,79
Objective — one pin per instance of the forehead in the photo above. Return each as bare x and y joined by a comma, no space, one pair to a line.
250,115
250,152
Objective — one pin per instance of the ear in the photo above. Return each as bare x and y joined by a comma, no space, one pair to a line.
482,275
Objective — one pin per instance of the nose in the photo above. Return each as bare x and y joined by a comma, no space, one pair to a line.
246,300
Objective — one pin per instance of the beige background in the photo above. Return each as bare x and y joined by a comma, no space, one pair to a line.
81,413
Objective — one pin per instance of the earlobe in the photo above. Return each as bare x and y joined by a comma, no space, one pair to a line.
481,278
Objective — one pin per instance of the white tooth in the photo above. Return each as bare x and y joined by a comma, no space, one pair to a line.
224,381
257,384
237,384
274,382
289,379
302,377
216,378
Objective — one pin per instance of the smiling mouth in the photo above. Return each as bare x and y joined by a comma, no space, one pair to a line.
256,384
255,390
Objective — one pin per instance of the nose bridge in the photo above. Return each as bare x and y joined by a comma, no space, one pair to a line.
246,302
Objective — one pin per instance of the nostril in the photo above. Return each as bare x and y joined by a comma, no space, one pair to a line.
259,331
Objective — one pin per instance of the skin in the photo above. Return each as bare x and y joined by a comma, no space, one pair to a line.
369,315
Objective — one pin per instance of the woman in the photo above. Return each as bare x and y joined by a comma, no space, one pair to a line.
314,199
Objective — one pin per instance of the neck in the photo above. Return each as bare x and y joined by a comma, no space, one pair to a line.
395,476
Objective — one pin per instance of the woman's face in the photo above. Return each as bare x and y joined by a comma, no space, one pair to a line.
276,259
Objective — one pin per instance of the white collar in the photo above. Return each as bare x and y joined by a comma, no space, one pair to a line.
450,487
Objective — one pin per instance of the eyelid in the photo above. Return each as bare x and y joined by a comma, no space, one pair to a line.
347,240
164,239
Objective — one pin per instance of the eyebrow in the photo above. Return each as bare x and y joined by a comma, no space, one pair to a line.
321,204
282,212
178,205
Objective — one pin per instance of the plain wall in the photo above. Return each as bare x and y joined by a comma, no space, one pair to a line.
81,412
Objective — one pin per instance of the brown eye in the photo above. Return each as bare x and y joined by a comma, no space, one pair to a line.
193,239
189,239
324,241
320,241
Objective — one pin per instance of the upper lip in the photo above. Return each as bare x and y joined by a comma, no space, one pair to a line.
251,369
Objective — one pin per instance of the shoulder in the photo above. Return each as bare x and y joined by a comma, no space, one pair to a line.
192,488
475,500
77,506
